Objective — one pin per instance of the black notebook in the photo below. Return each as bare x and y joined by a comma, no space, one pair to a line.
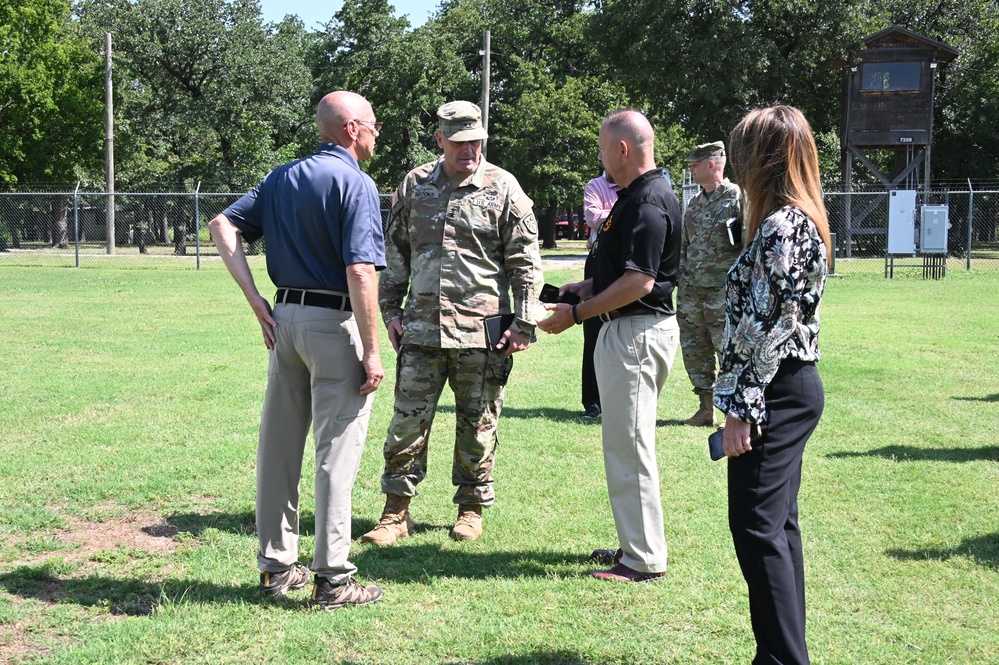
496,326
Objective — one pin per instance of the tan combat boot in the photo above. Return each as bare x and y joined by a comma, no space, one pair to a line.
705,416
469,524
394,524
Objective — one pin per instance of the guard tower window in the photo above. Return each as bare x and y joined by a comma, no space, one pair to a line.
890,76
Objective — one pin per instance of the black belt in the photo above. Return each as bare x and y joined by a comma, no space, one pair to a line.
607,317
312,299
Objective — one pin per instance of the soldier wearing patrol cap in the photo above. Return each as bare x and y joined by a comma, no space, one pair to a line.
460,238
706,253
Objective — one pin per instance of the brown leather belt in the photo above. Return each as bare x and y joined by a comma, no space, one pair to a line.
312,299
607,317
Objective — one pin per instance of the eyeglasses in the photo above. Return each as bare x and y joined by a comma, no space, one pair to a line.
370,124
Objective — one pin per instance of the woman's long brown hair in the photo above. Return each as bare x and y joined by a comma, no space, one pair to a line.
776,163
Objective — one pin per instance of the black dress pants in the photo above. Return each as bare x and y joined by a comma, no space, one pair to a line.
763,514
591,330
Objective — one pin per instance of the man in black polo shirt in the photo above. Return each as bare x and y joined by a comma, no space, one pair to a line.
635,265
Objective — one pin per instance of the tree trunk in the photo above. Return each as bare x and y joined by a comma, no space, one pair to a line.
59,228
546,227
164,229
179,233
145,222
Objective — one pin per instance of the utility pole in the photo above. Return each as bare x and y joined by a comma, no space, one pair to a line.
485,86
109,142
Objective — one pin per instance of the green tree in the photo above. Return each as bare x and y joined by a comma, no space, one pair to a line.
204,91
50,106
723,57
967,95
405,74
549,90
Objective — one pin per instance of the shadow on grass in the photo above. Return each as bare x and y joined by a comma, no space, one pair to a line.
401,564
677,421
917,454
557,414
536,658
129,597
983,550
422,562
244,523
551,413
987,398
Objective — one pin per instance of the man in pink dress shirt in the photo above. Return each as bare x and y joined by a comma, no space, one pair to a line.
599,196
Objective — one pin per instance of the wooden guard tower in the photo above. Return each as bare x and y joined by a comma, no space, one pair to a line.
889,106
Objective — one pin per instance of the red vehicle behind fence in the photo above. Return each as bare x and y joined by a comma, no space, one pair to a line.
566,230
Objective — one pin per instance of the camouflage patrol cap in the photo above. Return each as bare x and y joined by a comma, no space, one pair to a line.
705,150
461,121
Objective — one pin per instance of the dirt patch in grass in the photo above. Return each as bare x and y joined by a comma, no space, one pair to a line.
81,538
81,551
13,644
137,531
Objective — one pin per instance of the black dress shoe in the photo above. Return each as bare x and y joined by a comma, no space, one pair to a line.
591,412
622,573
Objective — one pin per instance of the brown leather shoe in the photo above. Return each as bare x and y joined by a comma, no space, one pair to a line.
622,573
607,557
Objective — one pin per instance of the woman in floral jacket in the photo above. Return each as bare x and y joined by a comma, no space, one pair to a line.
768,384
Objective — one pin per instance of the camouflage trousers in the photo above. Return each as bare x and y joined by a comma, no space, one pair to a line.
701,314
477,378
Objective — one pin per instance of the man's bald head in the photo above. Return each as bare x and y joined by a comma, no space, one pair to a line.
631,126
626,145
333,114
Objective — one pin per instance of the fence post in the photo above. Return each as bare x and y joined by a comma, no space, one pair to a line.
197,228
76,223
832,259
971,209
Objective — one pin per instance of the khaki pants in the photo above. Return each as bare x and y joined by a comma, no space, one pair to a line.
633,358
314,377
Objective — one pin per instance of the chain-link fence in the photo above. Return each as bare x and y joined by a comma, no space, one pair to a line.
859,221
147,230
150,230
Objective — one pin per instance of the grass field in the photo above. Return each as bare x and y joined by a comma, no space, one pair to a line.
128,417
984,259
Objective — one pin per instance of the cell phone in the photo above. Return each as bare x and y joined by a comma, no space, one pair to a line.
550,294
734,229
715,447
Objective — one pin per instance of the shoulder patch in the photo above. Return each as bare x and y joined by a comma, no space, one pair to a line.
531,224
396,201
522,206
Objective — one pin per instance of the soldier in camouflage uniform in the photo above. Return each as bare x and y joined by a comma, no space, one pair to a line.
461,236
706,253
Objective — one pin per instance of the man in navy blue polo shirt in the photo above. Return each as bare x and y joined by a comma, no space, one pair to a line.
635,266
320,217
